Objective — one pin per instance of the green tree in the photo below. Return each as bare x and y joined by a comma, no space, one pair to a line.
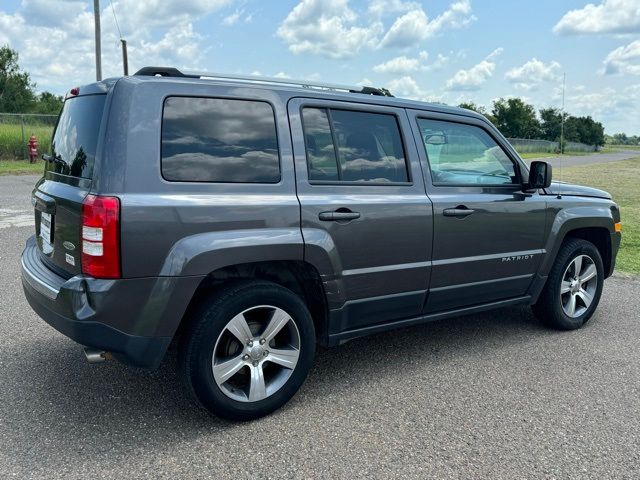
550,124
477,108
473,106
48,103
571,129
16,89
515,118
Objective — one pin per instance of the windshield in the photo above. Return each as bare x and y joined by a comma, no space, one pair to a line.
75,139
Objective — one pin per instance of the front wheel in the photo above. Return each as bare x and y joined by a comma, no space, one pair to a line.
248,350
573,288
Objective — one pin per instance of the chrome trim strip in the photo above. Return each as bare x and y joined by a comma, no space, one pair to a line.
493,256
482,282
385,268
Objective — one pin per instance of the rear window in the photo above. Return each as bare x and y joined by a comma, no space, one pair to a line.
219,140
75,138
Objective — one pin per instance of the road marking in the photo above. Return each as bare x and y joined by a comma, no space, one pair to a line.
15,218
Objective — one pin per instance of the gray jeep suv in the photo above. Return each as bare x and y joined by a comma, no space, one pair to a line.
249,219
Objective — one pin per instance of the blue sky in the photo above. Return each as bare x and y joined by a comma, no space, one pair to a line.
447,51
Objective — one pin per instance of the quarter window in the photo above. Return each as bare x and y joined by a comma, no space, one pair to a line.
462,154
219,140
350,146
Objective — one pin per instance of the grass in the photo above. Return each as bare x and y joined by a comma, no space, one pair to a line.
615,148
11,144
621,179
20,167
527,155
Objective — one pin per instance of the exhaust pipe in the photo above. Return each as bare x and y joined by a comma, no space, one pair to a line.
96,356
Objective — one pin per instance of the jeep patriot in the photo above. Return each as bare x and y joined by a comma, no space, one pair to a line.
247,220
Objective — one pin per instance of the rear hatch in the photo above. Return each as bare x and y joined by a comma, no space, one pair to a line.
68,174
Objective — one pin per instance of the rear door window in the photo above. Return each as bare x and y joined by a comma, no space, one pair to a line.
352,146
75,139
219,140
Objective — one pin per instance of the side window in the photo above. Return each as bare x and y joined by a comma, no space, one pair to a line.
350,146
219,140
462,154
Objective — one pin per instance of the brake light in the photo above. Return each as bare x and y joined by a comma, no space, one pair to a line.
101,236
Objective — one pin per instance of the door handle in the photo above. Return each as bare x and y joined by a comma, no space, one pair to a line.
338,215
459,211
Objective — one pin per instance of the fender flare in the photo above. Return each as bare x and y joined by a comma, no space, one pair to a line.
570,219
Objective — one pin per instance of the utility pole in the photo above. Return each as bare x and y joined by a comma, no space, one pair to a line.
125,60
564,78
96,16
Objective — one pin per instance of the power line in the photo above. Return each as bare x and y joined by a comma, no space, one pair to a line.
113,10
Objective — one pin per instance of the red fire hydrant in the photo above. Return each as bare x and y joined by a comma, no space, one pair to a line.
32,146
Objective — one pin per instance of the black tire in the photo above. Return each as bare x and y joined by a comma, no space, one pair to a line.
549,307
207,324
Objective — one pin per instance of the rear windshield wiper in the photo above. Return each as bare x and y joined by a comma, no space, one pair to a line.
53,158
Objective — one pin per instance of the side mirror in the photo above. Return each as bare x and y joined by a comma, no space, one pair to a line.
435,139
539,175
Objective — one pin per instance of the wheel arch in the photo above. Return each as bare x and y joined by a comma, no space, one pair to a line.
591,223
300,277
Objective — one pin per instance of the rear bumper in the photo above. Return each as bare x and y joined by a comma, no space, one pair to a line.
135,319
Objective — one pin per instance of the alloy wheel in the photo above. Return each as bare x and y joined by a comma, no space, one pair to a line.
578,286
256,353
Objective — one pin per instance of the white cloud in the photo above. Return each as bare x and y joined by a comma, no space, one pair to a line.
62,52
407,87
179,42
625,59
439,63
408,29
414,26
232,19
530,75
238,15
382,8
403,65
325,27
400,64
476,76
332,29
610,16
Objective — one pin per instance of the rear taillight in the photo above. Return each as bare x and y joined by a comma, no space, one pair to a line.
101,236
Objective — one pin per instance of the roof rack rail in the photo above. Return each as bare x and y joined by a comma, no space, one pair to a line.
174,72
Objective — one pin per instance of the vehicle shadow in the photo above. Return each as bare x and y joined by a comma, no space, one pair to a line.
109,401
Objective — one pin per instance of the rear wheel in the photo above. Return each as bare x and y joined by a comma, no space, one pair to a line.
573,288
248,350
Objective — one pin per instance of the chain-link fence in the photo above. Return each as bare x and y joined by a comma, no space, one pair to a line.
528,145
578,147
15,130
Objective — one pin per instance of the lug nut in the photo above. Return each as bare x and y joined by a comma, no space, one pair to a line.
250,343
265,353
262,340
245,357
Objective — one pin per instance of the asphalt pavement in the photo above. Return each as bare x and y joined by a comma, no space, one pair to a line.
493,395
573,160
